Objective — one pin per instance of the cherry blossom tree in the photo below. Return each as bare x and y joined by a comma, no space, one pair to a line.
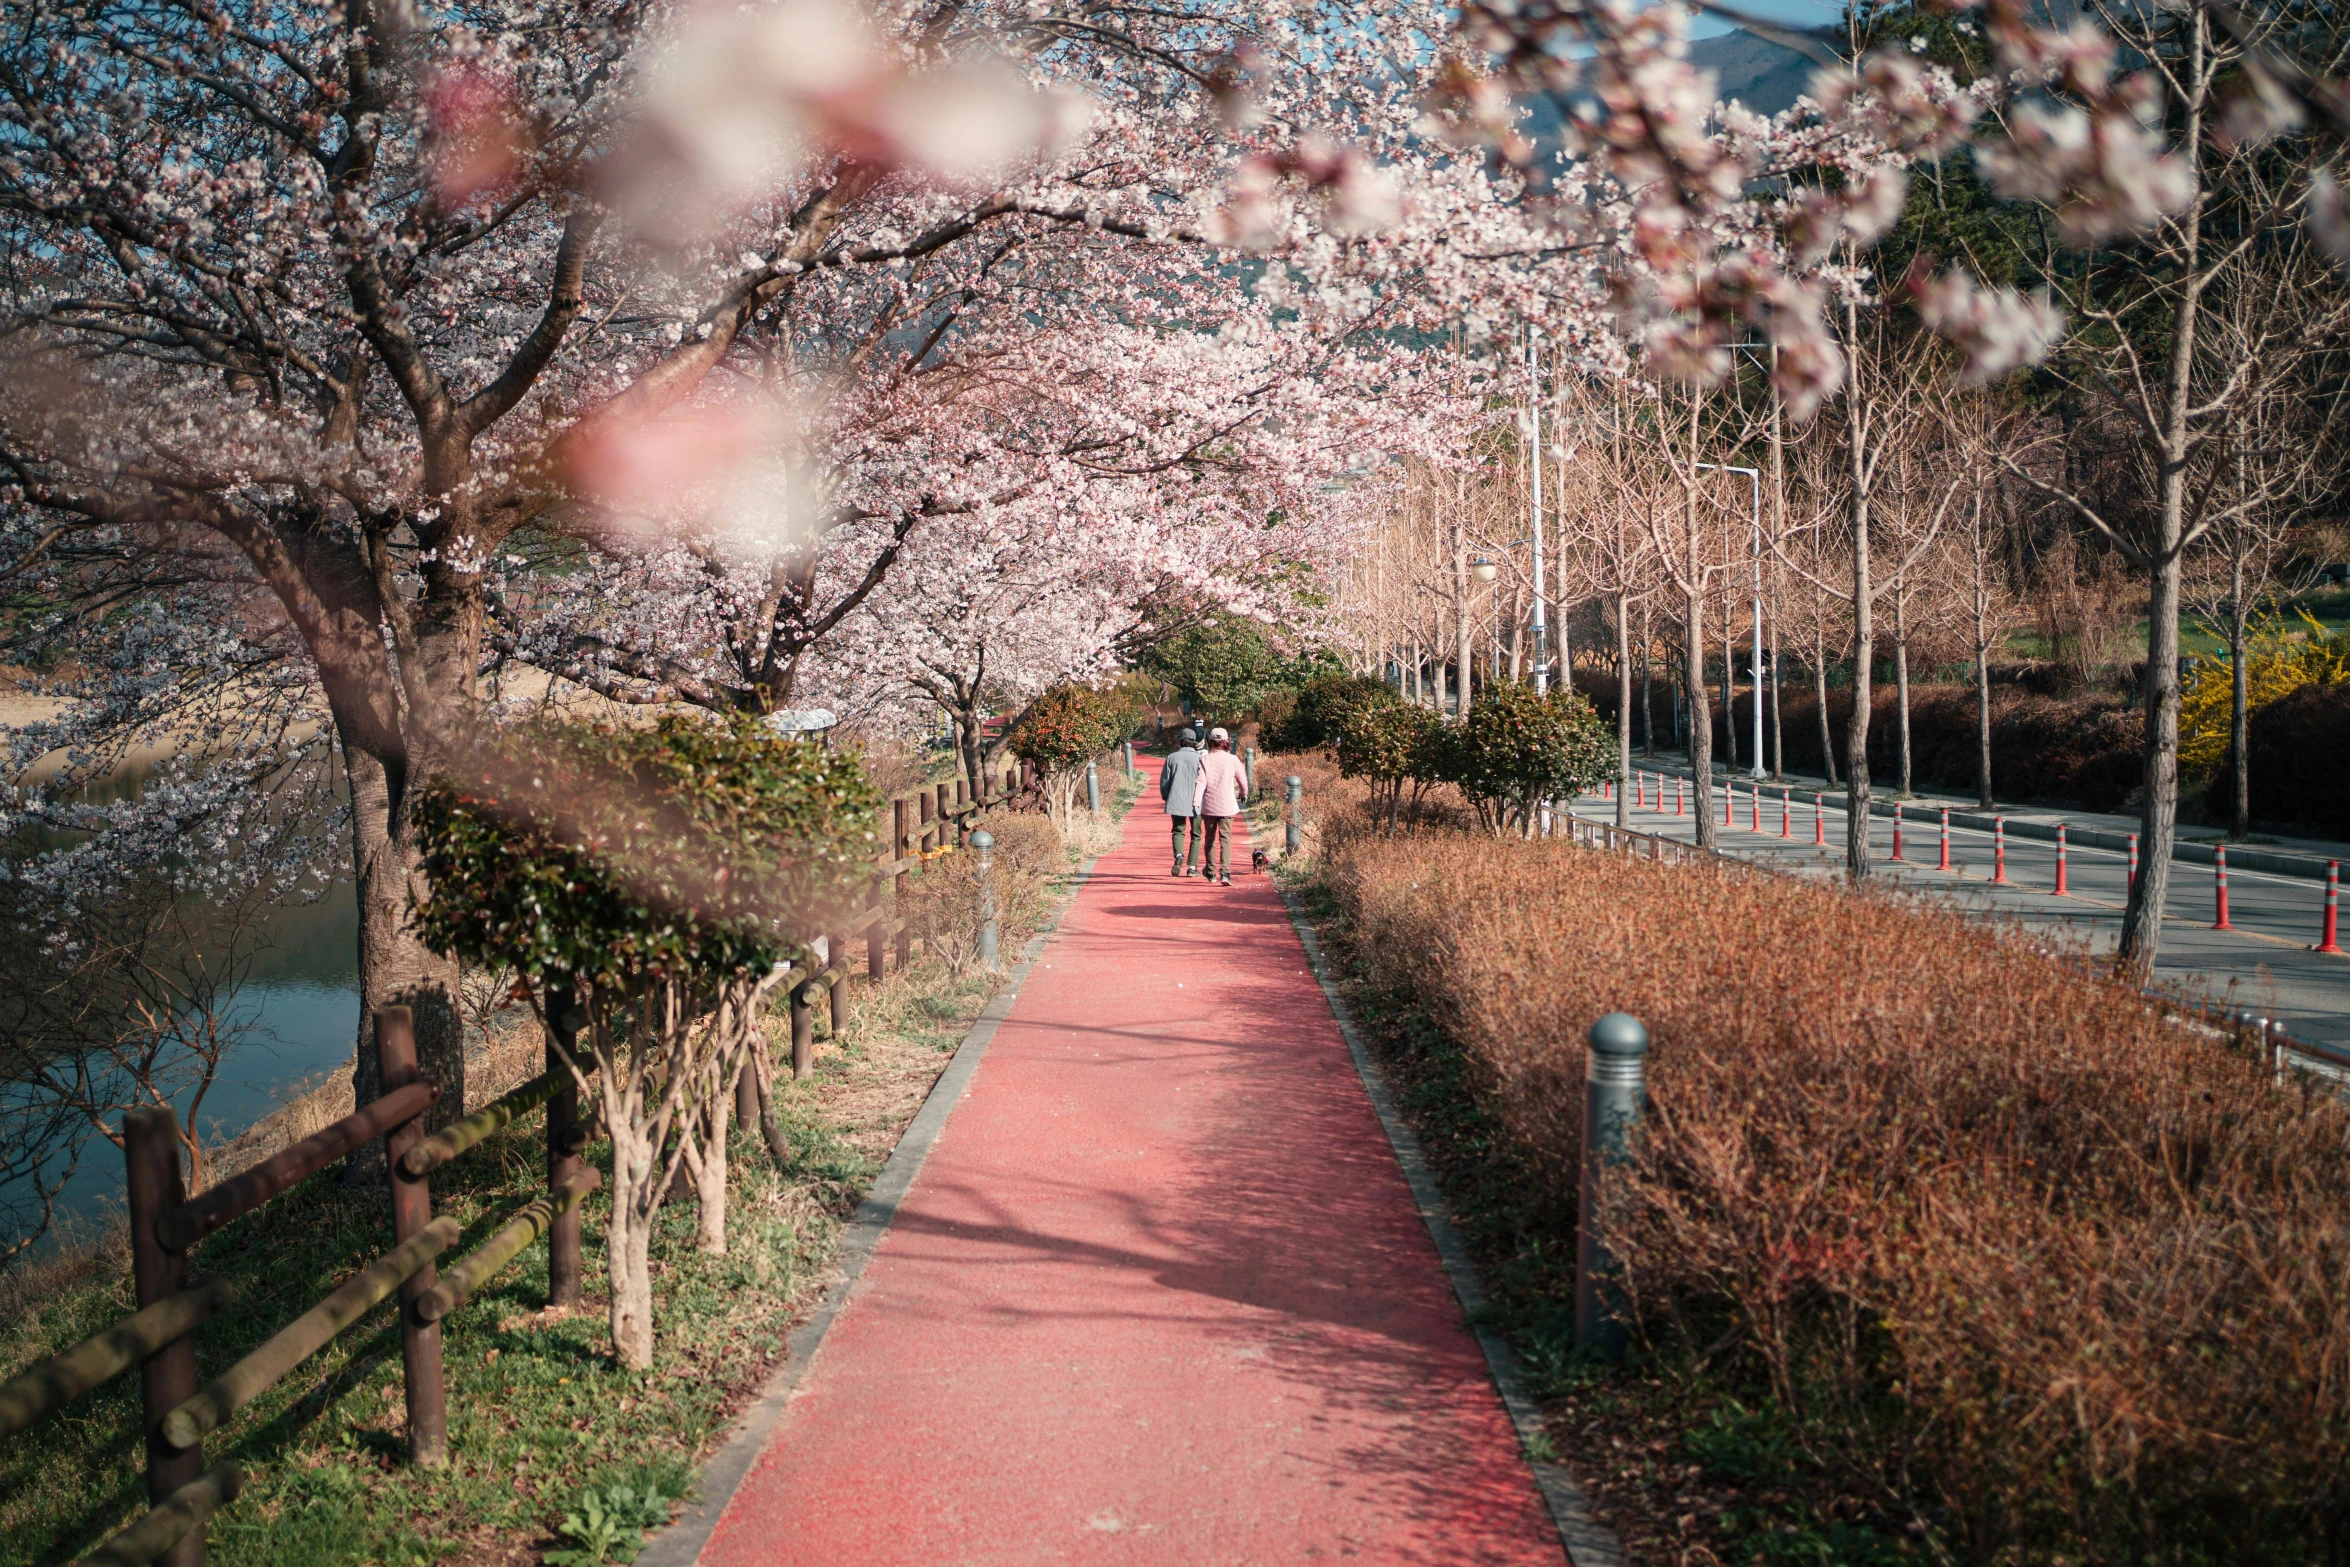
342,354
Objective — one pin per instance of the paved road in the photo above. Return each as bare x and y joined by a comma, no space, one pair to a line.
2263,966
1159,1294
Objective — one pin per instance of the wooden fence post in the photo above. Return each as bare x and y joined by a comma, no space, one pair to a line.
899,811
151,1159
420,1342
927,804
836,958
562,1156
803,1032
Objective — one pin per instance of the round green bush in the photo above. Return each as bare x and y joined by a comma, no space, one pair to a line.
614,855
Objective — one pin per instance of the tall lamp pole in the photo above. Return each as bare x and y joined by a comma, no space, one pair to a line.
1754,478
1534,418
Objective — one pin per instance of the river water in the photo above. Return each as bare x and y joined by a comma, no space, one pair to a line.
296,1016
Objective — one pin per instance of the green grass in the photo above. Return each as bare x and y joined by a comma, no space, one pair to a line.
538,1409
540,1415
543,1424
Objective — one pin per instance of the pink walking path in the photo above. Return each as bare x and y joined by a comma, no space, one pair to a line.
1159,1293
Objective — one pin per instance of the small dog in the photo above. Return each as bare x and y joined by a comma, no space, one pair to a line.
1259,862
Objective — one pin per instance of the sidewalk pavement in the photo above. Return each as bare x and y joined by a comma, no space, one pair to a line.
1159,1294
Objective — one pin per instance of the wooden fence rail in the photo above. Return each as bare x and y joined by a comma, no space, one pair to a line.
165,1224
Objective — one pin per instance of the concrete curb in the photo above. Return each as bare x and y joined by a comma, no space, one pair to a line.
1587,1542
680,1545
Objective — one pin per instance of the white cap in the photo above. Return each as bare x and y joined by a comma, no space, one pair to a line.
1218,734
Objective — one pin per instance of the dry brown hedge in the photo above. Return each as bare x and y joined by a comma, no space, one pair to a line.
2020,1261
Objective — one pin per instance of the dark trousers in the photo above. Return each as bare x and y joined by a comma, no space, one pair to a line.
1190,840
1216,858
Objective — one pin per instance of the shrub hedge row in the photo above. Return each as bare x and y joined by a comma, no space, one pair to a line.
2025,1271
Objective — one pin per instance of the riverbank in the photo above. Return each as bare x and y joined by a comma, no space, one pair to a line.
540,1414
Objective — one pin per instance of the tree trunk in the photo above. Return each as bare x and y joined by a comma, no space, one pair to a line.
1982,715
395,969
1864,655
2239,714
1701,729
1647,713
628,1237
2158,820
1778,703
1623,710
1819,685
1901,692
708,1162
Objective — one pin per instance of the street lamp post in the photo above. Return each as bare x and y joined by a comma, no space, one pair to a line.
1534,416
1754,478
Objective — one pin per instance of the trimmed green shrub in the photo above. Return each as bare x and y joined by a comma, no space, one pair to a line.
666,876
1321,708
1517,749
1221,665
1387,745
1067,727
608,856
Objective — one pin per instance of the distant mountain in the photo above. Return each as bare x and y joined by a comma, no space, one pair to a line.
1764,76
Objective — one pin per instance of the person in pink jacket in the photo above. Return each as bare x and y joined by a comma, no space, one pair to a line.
1217,796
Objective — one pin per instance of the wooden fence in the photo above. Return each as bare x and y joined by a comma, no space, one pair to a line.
165,1225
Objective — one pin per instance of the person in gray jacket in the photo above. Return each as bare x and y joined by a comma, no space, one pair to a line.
1178,782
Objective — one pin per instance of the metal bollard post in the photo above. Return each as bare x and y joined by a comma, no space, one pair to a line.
420,1342
1093,788
1129,750
1754,809
1680,804
1615,1093
2133,865
1786,814
990,930
2219,889
1819,825
1248,768
151,1156
1292,837
1897,832
1945,865
2063,879
2327,932
1729,800
1999,852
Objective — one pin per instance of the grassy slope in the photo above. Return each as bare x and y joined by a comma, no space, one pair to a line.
538,1410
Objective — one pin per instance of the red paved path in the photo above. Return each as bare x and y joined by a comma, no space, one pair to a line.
1159,1294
